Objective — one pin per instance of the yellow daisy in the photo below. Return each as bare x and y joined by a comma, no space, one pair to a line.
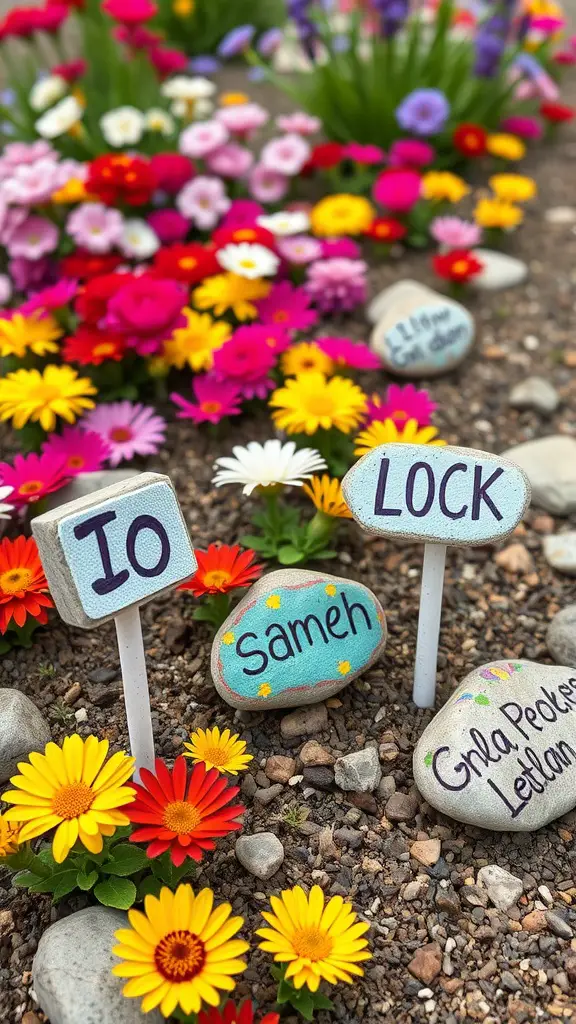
233,99
41,397
224,292
71,789
341,214
74,191
443,185
325,493
311,401
318,941
506,146
9,836
218,750
196,343
305,357
513,188
496,213
180,952
22,334
386,431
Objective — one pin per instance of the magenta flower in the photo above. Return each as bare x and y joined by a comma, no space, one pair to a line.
34,238
298,123
455,233
346,352
246,362
147,310
524,127
267,186
337,285
202,138
231,161
95,227
169,225
285,155
299,249
411,153
203,200
128,428
79,450
397,189
242,213
55,296
400,404
32,476
214,400
242,119
367,155
287,307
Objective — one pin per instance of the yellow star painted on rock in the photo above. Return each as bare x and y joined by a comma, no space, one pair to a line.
330,590
273,601
264,690
344,667
228,638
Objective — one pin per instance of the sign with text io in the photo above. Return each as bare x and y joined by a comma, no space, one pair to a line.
104,555
439,495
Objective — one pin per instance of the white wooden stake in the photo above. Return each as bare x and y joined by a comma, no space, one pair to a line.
135,682
424,691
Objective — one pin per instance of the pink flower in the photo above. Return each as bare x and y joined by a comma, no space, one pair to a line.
299,249
214,400
400,404
299,123
147,310
231,161
565,57
32,183
10,219
79,450
95,227
335,248
337,285
169,225
411,153
286,155
202,138
366,155
243,119
242,213
397,190
56,296
28,274
32,476
246,362
34,238
17,154
5,289
203,200
128,428
287,307
130,12
345,352
455,233
523,126
267,186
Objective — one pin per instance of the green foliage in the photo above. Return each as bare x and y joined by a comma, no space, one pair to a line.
18,636
285,538
302,1000
198,26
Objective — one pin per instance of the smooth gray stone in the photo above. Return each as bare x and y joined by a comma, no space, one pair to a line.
22,729
499,271
261,854
561,636
535,393
560,551
550,465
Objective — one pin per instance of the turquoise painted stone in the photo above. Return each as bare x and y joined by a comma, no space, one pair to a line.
296,638
447,495
423,337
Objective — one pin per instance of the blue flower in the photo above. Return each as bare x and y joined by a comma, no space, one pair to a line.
236,41
269,42
204,64
423,112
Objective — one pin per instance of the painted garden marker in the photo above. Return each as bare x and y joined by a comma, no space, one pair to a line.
439,495
106,554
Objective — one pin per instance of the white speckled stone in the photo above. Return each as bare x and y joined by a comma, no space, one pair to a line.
560,551
499,271
501,753
550,465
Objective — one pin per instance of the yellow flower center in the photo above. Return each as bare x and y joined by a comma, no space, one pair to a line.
245,235
15,580
217,578
312,944
211,407
188,263
179,956
104,348
320,405
45,392
247,264
72,800
181,817
120,434
218,756
30,487
75,462
460,266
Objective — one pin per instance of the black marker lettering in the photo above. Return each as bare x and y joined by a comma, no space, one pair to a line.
147,523
111,580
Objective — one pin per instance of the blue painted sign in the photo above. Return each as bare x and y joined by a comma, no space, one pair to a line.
445,494
432,338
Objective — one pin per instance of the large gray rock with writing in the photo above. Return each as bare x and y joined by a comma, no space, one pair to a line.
422,333
296,638
22,729
72,969
550,465
502,752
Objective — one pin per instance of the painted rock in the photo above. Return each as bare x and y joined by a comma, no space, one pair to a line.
423,334
296,638
447,495
393,294
502,752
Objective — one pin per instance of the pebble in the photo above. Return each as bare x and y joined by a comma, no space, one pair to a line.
313,753
73,694
499,271
560,551
280,769
558,925
72,976
321,776
535,393
359,772
503,888
510,982
427,963
534,922
261,854
386,787
304,722
560,215
413,890
266,796
22,729
80,715
561,636
550,464
515,558
401,807
426,851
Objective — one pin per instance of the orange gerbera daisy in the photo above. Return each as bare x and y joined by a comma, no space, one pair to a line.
23,585
221,568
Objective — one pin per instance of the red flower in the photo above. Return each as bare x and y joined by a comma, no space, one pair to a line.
222,568
556,112
243,233
326,155
458,265
71,71
183,815
470,139
172,171
81,265
167,61
121,179
89,346
23,585
50,17
386,229
228,1014
189,263
92,301
130,12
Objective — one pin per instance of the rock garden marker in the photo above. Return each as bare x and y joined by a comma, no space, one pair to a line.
439,495
106,554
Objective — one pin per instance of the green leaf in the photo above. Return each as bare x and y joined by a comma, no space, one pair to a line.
64,883
86,881
149,886
25,879
321,1002
126,859
116,892
289,555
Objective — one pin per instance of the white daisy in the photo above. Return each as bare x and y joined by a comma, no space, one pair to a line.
263,465
47,91
5,508
138,240
158,120
287,222
184,87
123,126
59,119
248,259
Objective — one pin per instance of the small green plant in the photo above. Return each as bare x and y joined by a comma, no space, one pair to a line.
199,26
46,670
303,1000
294,816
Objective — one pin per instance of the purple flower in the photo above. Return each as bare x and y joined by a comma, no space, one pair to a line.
490,43
236,41
28,274
204,64
337,285
307,31
392,13
424,112
269,42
